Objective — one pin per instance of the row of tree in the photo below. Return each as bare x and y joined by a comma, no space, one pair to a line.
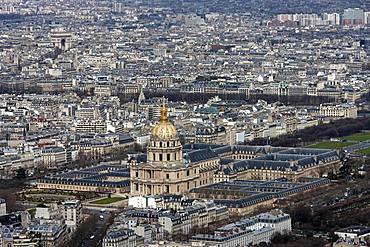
202,98
333,129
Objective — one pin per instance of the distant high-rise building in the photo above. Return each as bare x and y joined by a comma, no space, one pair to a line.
117,7
331,18
353,17
285,17
367,18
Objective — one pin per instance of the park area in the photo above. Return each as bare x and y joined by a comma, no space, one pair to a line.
345,142
358,137
365,152
331,145
108,200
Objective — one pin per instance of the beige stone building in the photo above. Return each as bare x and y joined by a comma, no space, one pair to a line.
338,111
171,168
166,171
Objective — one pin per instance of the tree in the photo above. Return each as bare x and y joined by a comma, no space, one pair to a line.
21,173
279,238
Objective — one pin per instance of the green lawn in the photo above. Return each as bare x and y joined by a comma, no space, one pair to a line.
349,140
358,137
108,200
365,151
331,145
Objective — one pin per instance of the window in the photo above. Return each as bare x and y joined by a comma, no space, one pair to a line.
187,173
160,157
137,174
168,157
167,176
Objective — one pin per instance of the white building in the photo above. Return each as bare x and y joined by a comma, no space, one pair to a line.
277,220
338,111
331,19
367,17
72,212
353,236
120,238
42,212
250,231
142,140
143,202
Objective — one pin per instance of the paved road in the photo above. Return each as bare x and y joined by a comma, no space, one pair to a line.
99,230
356,147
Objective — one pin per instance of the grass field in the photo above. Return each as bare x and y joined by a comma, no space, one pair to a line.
331,145
108,200
350,140
358,137
365,151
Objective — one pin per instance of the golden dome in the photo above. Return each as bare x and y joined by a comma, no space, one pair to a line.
164,130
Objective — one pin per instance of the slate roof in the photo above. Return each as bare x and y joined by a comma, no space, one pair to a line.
201,155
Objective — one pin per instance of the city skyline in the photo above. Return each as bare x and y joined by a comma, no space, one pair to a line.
184,123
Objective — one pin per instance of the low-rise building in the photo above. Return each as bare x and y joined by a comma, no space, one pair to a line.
335,111
352,236
72,212
249,231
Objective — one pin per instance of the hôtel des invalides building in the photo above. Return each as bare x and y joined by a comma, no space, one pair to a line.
171,168
166,171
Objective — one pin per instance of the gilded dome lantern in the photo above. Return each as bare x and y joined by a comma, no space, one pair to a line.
164,146
164,130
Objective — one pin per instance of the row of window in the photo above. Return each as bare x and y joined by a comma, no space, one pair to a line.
166,187
163,157
165,144
150,174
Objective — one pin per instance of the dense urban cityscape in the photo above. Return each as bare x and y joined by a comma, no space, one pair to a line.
178,123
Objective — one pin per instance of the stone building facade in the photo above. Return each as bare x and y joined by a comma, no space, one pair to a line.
167,170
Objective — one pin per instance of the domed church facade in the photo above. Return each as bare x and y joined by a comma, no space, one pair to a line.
166,171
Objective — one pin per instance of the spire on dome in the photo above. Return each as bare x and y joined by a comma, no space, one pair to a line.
164,113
